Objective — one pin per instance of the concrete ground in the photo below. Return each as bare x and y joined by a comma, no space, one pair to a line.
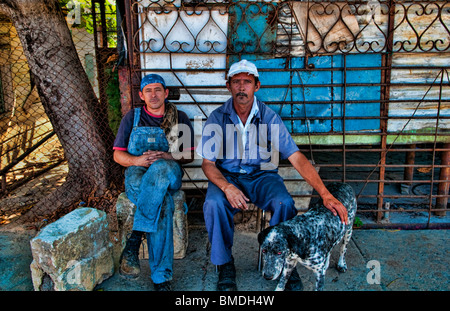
378,260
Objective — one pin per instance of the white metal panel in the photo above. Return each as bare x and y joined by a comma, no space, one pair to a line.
187,34
426,96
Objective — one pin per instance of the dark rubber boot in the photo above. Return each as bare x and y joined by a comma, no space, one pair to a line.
163,287
129,260
227,277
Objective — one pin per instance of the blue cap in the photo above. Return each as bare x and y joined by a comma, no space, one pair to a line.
152,78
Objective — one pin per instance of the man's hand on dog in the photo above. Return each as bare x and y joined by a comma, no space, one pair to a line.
236,197
336,207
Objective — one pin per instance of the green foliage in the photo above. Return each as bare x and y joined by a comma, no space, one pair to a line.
79,14
357,223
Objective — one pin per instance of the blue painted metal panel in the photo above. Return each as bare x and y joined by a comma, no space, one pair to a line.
252,27
359,93
315,100
320,92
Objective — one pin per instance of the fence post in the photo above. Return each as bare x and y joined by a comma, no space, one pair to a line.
444,176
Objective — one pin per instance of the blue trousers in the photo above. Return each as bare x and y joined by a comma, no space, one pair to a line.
265,189
151,189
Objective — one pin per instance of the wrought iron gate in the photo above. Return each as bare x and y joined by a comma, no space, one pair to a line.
363,86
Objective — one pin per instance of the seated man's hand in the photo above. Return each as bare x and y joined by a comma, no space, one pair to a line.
236,197
336,207
149,157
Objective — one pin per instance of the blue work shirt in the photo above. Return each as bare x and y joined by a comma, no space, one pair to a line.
267,140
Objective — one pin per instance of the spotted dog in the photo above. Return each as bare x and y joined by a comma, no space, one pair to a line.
308,239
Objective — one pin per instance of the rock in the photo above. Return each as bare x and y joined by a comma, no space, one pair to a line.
125,210
74,251
180,226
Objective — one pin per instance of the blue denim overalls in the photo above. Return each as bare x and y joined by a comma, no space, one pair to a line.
151,189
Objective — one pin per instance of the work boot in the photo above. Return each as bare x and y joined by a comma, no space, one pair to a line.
163,287
227,277
294,283
129,260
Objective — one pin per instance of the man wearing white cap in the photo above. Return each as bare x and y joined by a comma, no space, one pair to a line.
240,146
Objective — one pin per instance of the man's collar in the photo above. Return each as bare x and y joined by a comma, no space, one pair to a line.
229,109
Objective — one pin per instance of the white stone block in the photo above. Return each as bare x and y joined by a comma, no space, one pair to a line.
74,251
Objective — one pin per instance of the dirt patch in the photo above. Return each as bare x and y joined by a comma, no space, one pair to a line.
24,197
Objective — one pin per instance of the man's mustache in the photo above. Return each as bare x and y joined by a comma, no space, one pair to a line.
241,94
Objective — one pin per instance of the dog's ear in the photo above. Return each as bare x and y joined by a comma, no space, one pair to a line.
262,235
296,244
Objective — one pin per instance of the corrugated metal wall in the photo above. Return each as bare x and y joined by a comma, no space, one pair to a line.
363,86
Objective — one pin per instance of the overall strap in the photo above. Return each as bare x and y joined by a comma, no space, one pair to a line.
137,116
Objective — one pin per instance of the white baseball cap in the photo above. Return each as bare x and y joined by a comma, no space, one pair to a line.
243,66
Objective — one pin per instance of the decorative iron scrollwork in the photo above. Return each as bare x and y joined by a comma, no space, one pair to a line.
262,27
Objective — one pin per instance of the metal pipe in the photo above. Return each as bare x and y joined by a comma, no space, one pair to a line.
403,226
409,171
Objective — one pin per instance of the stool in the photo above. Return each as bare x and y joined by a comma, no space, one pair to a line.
125,210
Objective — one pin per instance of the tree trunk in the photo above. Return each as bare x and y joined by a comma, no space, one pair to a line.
69,101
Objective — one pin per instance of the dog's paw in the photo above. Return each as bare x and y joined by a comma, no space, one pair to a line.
342,264
341,267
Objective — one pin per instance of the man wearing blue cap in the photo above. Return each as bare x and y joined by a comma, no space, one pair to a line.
152,142
240,146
